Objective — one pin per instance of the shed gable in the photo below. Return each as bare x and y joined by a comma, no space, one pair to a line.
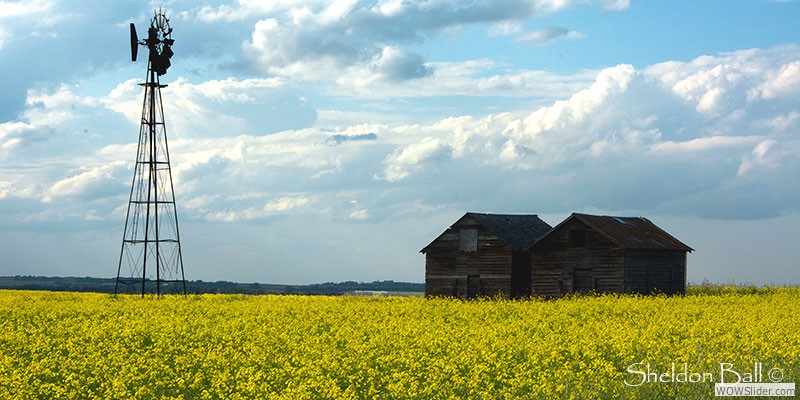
608,254
517,231
482,255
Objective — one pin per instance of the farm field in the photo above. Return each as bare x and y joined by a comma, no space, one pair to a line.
84,346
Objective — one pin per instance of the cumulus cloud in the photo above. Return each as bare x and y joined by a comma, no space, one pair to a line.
272,208
231,107
228,107
713,137
39,45
633,140
416,156
315,39
783,82
397,65
307,39
733,80
630,139
15,134
624,139
90,183
764,155
473,78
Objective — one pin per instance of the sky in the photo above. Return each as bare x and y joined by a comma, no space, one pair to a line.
316,141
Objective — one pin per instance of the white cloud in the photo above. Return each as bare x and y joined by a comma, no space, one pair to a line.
232,107
360,214
716,84
126,98
358,118
629,140
337,10
617,128
89,183
713,143
785,81
23,8
228,107
314,40
473,78
52,108
616,5
581,105
5,189
403,161
15,134
279,206
545,36
782,123
246,9
397,65
763,155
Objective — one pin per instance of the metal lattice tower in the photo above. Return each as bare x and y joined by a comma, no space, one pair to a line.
150,259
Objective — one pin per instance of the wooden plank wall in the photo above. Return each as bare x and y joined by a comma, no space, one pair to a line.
448,270
560,268
659,271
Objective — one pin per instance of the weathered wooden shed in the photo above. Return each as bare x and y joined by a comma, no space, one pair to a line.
608,254
483,255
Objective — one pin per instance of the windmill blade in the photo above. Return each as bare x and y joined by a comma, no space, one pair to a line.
134,43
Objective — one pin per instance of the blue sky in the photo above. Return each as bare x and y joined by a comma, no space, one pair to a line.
326,141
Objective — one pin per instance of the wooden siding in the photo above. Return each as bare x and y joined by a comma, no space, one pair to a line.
660,271
567,262
483,272
582,254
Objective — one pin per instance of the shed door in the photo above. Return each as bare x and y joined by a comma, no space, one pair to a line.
520,274
473,286
583,281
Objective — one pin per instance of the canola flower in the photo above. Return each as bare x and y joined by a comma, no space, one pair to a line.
95,346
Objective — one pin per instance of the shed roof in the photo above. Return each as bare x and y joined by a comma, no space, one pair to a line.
630,232
518,231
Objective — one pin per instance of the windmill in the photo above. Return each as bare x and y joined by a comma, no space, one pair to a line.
150,259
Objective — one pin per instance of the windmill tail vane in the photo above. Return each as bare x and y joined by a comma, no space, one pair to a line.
151,261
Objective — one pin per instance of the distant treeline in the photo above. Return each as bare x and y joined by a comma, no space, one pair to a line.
106,285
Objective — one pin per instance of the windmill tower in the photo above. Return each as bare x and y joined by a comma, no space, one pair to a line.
150,260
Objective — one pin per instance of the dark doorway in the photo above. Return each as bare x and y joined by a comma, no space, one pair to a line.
473,286
520,274
583,280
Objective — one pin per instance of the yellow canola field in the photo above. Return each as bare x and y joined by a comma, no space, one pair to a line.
87,346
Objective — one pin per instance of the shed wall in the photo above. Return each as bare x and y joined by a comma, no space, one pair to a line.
567,261
452,272
660,271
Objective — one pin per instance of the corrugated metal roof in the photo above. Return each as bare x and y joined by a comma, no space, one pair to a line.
632,232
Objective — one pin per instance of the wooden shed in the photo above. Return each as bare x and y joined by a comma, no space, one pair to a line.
483,255
608,254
